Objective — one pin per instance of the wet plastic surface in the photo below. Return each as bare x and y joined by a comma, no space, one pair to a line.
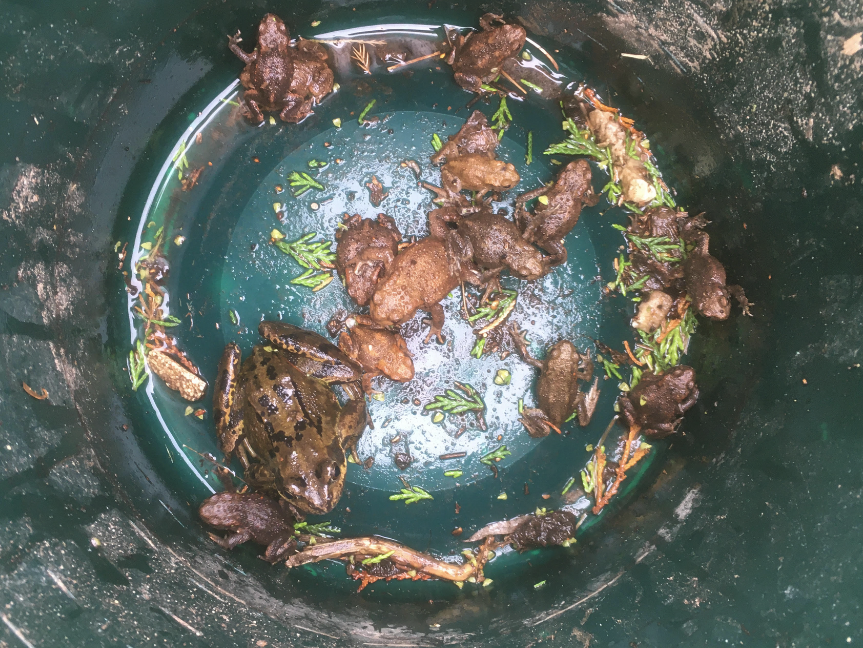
749,534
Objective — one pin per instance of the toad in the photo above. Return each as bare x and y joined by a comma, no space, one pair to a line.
557,390
377,350
557,213
477,57
705,283
250,516
279,77
475,136
365,249
278,414
419,278
473,172
657,403
489,240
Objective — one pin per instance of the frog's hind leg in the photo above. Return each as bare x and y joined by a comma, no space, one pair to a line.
436,324
251,98
352,422
296,109
520,339
232,540
226,400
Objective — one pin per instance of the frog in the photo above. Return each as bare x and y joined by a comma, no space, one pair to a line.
379,351
278,414
279,77
657,403
365,249
706,283
419,278
557,213
250,516
473,172
557,390
474,137
652,311
477,58
490,241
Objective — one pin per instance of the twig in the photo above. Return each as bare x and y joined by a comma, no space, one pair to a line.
548,56
413,60
402,557
513,82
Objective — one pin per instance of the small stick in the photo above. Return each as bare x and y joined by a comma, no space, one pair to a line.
512,81
452,455
413,60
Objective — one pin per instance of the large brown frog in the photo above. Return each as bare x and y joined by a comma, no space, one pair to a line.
377,350
365,248
280,416
419,278
557,390
657,403
477,57
281,78
489,240
250,516
555,216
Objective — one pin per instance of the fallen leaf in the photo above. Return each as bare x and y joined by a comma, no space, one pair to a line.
32,392
853,45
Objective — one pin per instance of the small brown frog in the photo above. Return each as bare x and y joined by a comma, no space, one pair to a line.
473,172
419,278
557,391
657,403
490,241
477,57
365,248
554,217
474,136
279,416
377,350
250,516
279,77
705,283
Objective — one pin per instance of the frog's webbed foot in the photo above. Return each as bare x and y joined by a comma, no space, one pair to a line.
491,280
234,45
536,423
557,252
519,338
586,404
442,195
436,324
740,296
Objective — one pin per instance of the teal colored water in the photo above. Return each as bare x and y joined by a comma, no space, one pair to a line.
225,277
